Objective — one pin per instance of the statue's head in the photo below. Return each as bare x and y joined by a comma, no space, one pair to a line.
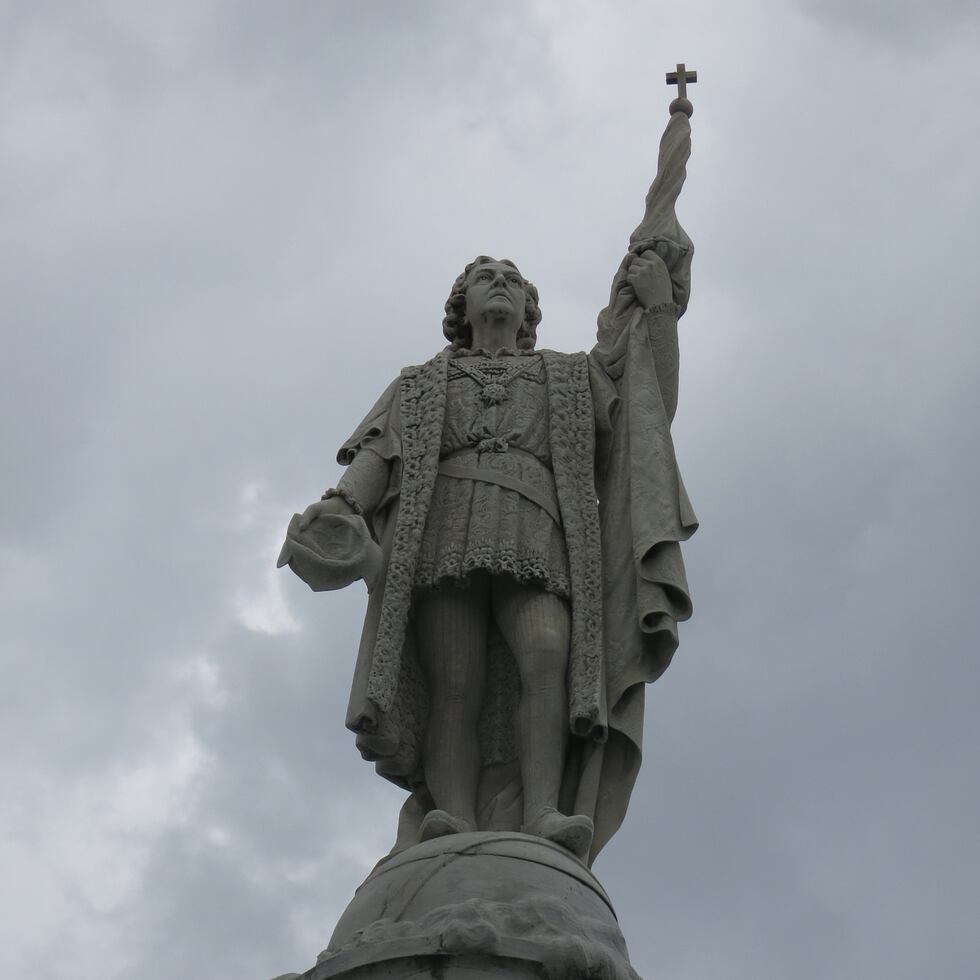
480,273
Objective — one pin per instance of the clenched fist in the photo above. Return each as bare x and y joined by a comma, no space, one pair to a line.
649,274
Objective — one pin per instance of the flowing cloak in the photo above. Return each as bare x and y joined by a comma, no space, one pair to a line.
624,512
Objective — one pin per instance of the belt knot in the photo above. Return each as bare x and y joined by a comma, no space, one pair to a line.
495,444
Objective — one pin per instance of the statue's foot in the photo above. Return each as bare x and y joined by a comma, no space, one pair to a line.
439,823
573,833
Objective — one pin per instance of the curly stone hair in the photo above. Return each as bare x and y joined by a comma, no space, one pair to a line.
457,328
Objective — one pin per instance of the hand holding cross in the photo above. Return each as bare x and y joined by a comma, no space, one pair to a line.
680,78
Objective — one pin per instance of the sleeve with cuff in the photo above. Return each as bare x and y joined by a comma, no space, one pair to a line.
365,479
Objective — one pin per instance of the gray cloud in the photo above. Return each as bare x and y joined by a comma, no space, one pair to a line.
228,226
902,24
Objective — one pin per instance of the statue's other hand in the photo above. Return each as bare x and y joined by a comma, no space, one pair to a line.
332,505
333,548
650,279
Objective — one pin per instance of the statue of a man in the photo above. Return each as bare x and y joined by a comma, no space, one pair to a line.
517,513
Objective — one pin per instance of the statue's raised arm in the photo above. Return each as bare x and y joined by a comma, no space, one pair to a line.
660,230
645,513
653,282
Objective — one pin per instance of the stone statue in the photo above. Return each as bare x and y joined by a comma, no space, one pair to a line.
517,513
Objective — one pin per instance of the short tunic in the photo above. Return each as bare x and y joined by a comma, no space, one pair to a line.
497,421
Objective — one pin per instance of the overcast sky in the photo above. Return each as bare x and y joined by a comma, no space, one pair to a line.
226,227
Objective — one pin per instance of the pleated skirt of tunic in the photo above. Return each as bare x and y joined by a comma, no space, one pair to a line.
473,525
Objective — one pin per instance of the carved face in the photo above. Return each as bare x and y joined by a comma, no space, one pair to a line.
495,292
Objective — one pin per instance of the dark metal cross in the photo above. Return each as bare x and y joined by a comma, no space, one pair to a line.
680,78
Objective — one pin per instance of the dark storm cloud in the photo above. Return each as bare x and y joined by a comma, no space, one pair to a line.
228,227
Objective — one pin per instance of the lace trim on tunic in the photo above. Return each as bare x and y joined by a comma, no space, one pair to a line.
455,566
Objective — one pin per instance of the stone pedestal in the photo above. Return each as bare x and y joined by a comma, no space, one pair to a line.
478,905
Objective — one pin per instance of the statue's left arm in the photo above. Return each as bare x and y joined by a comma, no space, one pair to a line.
644,508
644,512
652,285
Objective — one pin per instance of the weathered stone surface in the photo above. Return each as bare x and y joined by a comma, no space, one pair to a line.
438,966
498,904
518,515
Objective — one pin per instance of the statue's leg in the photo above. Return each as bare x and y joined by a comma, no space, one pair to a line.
537,627
451,632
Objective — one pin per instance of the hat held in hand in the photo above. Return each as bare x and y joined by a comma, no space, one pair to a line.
334,551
